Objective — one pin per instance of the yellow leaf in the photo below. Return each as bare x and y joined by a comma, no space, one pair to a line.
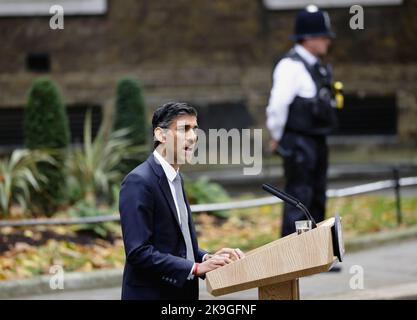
6,230
21,247
28,233
6,263
86,267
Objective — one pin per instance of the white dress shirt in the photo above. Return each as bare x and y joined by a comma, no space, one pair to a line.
290,79
171,173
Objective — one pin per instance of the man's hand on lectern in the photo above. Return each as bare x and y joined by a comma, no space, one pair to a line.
220,258
212,262
234,254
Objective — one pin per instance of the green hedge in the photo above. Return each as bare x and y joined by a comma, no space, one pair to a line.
46,127
130,112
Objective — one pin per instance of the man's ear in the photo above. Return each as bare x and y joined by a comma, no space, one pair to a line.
160,135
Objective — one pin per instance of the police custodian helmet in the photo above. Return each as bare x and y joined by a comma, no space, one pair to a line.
312,22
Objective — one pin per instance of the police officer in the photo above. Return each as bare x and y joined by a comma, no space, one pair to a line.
301,113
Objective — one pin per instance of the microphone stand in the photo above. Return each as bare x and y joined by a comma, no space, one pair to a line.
291,200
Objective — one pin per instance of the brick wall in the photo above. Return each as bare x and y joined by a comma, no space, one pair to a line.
206,51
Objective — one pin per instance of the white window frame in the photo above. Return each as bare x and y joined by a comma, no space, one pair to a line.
18,8
299,4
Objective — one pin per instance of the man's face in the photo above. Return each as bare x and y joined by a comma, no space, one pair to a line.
181,139
318,46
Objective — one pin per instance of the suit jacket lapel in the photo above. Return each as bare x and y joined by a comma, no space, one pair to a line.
163,183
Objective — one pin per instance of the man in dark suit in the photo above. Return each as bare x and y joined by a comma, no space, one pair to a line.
163,260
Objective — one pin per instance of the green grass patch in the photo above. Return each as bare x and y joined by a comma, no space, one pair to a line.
253,227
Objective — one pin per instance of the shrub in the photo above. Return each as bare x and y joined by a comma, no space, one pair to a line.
130,113
46,127
18,175
94,167
83,209
203,190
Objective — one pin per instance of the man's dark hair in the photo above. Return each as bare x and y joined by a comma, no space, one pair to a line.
164,115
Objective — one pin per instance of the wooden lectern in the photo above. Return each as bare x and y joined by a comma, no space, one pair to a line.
275,267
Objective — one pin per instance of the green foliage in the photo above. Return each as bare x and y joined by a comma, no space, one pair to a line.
45,121
94,167
84,209
19,175
130,113
46,127
204,191
75,192
115,197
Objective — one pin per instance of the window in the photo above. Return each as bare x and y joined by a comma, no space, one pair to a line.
368,116
11,124
38,62
76,114
227,115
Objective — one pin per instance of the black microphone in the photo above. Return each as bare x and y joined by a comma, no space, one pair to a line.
289,199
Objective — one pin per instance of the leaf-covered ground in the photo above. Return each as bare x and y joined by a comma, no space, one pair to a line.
26,252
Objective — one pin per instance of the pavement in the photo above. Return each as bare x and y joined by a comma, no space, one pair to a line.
385,272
